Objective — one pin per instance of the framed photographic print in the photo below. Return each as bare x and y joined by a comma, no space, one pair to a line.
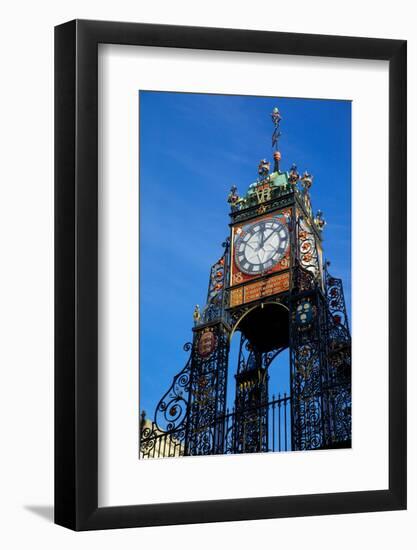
230,275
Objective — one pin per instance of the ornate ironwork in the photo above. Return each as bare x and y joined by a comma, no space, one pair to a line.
214,309
171,411
302,280
339,363
336,300
166,433
251,419
307,363
191,418
207,405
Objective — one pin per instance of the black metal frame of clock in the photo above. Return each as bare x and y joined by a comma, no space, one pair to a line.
76,275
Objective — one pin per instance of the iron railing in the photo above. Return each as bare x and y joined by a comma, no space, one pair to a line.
274,416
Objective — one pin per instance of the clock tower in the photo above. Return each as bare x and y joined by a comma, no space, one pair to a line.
272,287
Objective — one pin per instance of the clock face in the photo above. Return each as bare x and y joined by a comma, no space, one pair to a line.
261,246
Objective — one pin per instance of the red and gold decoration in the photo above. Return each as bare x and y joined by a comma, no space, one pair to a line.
273,223
309,249
263,193
260,289
207,343
216,279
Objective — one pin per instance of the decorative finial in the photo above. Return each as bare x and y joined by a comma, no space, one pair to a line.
293,176
276,119
196,314
307,181
319,220
234,200
263,168
277,158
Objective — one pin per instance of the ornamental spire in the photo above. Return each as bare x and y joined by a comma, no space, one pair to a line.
276,119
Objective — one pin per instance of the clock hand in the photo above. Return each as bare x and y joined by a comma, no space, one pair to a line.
252,247
256,242
270,236
268,254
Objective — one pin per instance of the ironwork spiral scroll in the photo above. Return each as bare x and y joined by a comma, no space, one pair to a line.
336,301
171,410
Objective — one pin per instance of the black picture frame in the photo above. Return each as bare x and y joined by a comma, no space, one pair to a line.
76,272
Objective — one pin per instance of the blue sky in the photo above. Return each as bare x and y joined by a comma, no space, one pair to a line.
193,147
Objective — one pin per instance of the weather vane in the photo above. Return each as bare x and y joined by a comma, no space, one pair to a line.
276,119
